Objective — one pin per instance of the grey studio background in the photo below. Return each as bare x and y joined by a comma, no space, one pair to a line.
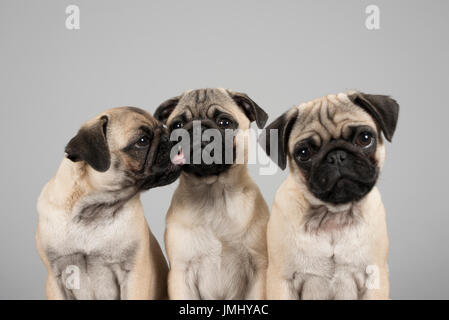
281,53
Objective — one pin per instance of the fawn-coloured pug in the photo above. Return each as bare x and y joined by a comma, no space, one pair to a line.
327,235
216,224
92,234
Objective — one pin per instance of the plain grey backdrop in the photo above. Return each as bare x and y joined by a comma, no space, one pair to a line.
280,53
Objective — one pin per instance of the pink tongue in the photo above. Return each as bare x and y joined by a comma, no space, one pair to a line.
179,158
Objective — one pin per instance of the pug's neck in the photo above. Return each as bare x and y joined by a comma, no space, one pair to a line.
322,219
236,175
319,216
81,199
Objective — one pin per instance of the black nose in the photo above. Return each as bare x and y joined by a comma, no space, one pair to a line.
337,157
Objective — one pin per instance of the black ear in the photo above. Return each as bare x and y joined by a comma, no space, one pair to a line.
251,109
166,108
283,125
383,109
90,145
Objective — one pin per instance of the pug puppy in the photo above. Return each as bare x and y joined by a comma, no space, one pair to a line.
327,235
92,235
216,224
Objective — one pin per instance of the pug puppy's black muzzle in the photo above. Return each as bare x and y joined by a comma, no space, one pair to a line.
342,174
217,150
159,169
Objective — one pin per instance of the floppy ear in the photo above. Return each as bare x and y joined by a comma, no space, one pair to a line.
383,109
90,145
166,108
283,125
250,108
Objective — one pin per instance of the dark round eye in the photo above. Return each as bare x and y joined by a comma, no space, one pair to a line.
364,139
304,153
177,125
224,122
143,142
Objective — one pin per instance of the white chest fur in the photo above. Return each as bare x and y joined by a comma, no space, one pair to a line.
220,268
332,264
328,255
215,243
89,260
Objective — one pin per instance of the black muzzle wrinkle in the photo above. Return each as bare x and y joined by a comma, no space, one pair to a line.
215,146
342,173
160,170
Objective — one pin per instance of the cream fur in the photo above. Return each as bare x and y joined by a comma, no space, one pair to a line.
216,227
333,257
123,244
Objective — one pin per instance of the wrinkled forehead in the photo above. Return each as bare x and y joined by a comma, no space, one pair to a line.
127,124
201,103
327,118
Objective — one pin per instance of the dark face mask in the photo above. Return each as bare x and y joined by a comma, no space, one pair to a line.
159,170
220,153
340,173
